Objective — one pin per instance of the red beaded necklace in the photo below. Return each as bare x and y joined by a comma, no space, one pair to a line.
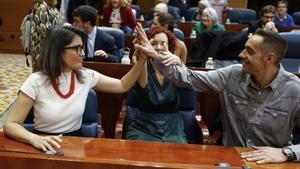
71,90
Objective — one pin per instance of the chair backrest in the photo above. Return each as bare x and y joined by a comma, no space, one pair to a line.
137,9
117,34
191,13
89,126
296,17
179,34
237,15
187,109
293,40
291,60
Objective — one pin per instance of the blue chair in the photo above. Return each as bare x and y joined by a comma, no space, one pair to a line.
191,13
291,61
187,109
296,17
137,9
118,35
179,34
89,126
238,15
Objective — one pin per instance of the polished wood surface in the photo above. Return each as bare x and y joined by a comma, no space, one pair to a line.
113,153
185,27
289,28
12,12
99,153
235,27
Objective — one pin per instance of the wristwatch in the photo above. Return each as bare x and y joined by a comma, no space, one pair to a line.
289,153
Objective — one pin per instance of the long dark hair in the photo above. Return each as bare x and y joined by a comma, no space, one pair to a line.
50,61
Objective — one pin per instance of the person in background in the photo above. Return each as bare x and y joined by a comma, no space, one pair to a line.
282,17
66,8
158,117
260,101
162,7
208,21
183,5
129,2
59,89
220,6
266,21
166,20
45,15
201,6
118,14
100,45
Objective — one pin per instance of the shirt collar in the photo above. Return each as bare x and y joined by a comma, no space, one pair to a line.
275,82
92,35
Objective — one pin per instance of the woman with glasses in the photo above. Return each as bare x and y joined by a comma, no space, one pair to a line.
59,89
157,99
209,19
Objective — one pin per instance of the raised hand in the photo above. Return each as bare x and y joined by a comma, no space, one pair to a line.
46,143
264,155
144,45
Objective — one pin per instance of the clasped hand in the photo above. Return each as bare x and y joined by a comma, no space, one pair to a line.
144,49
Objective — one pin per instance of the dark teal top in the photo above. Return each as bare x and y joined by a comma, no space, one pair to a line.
199,27
158,118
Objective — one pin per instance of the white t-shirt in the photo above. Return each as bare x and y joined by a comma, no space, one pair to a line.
52,113
115,16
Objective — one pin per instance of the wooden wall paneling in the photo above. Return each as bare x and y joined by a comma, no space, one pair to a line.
12,12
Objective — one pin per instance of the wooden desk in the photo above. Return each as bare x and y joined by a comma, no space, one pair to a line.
98,153
188,43
186,27
289,28
235,27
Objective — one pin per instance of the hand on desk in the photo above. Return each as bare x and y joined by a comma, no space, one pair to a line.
46,143
264,155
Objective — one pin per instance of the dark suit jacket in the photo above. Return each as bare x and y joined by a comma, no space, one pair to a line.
72,5
254,25
105,42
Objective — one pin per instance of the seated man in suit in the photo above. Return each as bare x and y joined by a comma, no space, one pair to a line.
266,21
100,46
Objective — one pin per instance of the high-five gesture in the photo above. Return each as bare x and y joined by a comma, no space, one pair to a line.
144,44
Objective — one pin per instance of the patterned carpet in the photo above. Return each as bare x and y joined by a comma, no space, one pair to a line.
13,72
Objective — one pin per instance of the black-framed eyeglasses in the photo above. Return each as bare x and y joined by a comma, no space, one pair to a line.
77,48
